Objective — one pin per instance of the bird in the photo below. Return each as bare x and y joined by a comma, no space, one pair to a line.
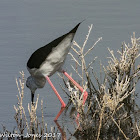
47,60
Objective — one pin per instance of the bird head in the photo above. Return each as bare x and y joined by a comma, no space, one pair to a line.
31,84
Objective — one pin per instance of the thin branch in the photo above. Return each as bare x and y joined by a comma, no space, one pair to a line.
74,59
119,128
76,72
91,63
93,46
76,44
75,50
87,36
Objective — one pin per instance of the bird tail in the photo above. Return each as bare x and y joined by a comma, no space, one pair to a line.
76,27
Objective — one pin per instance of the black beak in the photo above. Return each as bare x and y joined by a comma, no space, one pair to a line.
32,97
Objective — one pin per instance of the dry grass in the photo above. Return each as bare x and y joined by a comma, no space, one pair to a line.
34,126
110,111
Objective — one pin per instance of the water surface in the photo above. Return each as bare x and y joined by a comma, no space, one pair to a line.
29,24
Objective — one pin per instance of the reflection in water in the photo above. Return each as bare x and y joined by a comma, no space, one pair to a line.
63,133
69,110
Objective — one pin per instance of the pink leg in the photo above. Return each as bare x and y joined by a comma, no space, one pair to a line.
59,113
57,94
77,85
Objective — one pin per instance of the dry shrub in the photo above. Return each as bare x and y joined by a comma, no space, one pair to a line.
110,111
25,127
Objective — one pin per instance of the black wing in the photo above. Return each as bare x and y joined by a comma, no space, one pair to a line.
39,56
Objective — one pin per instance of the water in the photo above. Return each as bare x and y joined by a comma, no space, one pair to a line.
27,25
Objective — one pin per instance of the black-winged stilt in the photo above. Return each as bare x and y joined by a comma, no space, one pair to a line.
48,59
